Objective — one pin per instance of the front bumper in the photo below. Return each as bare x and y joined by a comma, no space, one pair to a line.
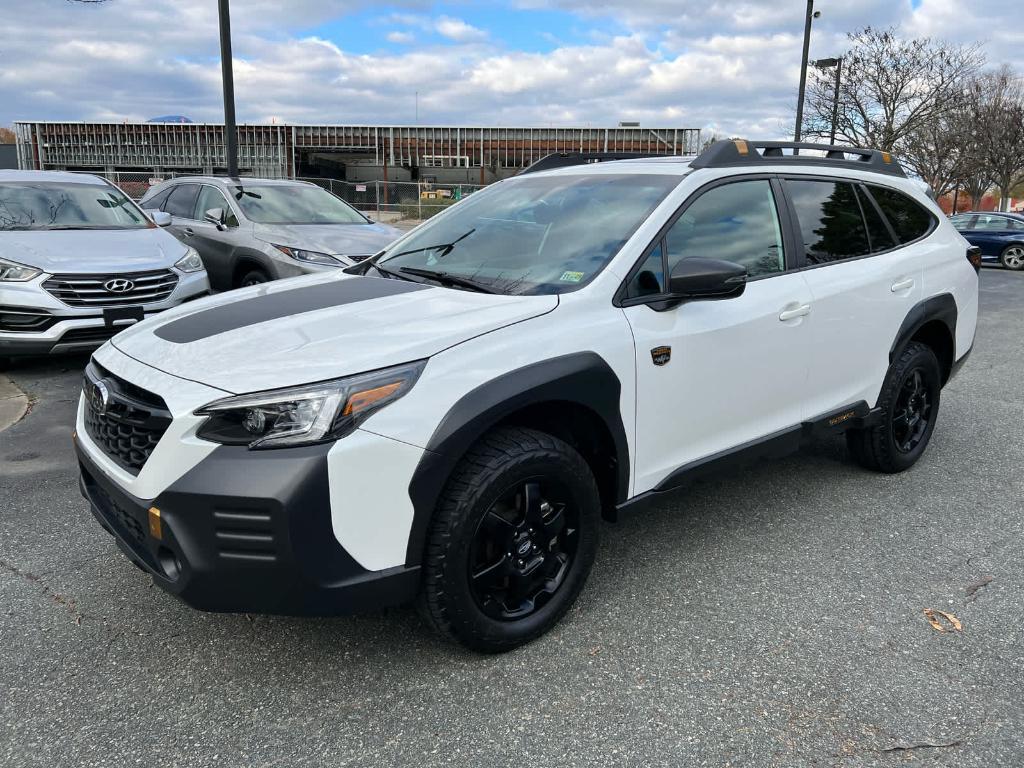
246,531
74,329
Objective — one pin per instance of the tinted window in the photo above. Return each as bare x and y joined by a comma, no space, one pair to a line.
993,223
878,230
650,280
211,197
907,217
734,222
831,225
156,202
182,201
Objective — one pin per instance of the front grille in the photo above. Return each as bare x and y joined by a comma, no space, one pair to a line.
131,422
89,290
82,335
130,520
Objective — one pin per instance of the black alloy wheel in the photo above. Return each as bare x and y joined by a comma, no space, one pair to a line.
523,548
912,412
512,540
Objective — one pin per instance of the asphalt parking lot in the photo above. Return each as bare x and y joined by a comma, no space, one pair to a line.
768,618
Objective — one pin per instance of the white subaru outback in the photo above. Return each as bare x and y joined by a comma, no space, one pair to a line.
450,420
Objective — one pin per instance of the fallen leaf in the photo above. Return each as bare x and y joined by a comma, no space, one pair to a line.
937,625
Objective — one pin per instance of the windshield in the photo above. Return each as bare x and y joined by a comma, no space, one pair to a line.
294,204
533,234
45,205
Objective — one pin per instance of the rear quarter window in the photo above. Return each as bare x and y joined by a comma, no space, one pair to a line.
909,219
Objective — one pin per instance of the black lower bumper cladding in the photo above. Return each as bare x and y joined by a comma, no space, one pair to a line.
246,531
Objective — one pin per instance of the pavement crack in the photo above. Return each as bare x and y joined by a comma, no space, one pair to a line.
57,597
973,589
924,745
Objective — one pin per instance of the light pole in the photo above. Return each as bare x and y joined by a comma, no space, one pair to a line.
811,15
228,80
838,64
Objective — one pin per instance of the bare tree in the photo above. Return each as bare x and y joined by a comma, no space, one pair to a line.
891,88
997,124
938,153
7,136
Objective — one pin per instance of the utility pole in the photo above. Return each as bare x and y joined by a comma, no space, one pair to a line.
803,70
228,79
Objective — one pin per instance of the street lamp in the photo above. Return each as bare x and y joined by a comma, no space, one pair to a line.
811,15
228,80
838,64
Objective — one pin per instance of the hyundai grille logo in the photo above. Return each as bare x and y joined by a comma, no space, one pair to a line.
99,397
119,285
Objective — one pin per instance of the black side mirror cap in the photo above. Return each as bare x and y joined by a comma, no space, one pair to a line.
700,278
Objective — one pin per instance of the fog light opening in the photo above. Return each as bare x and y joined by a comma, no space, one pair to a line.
169,563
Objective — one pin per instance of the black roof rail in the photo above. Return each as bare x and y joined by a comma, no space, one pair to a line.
729,153
566,159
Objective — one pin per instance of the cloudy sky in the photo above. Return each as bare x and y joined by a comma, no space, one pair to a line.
731,66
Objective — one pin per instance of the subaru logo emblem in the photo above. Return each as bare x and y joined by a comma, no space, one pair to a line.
118,285
99,397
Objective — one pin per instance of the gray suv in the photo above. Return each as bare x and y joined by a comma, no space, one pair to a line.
79,261
249,230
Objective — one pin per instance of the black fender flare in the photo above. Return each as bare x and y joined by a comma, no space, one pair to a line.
941,307
584,378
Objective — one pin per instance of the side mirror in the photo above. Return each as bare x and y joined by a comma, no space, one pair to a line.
161,218
706,279
215,216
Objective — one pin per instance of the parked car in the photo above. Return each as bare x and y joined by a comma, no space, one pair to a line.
450,420
249,231
1000,236
79,260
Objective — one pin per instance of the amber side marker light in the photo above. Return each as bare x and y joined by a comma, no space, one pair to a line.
359,401
155,525
741,147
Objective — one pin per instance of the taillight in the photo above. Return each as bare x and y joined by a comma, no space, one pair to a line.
974,256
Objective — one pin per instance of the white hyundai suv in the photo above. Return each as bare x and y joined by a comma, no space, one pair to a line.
450,420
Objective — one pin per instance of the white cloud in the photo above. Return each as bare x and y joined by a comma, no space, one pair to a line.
732,66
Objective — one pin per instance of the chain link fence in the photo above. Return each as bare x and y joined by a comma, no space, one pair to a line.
397,200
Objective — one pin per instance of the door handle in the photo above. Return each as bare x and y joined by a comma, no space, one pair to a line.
902,285
792,314
188,232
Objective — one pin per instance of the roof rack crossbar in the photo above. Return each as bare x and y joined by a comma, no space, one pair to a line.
566,159
740,152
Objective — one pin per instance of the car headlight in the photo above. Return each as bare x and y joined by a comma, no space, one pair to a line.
190,262
310,257
304,415
12,272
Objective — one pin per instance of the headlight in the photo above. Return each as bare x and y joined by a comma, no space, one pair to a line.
12,272
310,257
310,414
190,262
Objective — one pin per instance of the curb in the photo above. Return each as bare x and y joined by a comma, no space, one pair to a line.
13,403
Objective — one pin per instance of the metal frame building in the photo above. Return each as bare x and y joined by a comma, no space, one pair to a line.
285,150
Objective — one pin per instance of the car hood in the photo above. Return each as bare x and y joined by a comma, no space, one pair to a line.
343,239
92,251
316,327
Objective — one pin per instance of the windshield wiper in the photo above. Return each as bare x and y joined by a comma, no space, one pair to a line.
446,248
446,278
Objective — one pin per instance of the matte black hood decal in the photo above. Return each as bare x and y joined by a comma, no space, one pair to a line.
273,306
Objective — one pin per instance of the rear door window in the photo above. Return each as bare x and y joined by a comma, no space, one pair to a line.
182,201
908,218
831,225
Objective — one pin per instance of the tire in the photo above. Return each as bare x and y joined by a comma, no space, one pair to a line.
253,277
512,490
909,404
1013,257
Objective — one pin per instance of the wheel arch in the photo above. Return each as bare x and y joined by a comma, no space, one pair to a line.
573,397
931,322
247,261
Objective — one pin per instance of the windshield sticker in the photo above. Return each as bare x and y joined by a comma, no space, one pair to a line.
571,277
